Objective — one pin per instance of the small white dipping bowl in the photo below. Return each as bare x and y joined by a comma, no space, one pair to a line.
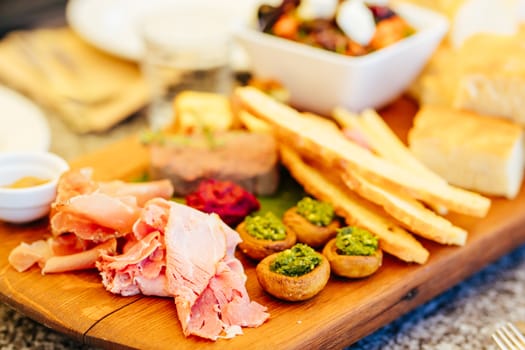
20,205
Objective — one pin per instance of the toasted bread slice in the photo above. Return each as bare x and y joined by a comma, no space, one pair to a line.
354,158
393,239
408,211
385,143
252,123
320,119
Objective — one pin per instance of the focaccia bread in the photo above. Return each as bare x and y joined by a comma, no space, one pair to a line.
473,151
470,17
493,81
486,75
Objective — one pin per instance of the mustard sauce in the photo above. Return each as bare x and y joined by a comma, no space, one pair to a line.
27,181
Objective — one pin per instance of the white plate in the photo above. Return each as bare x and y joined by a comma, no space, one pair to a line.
113,25
23,126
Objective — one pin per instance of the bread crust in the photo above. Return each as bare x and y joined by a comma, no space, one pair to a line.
394,239
323,139
490,162
409,212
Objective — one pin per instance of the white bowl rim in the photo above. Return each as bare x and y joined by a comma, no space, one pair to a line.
53,158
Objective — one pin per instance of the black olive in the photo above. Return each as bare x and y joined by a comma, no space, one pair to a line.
267,15
381,12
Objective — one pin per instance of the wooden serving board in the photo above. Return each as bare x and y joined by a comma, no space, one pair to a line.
345,311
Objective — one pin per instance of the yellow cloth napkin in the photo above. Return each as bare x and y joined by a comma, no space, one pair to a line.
91,90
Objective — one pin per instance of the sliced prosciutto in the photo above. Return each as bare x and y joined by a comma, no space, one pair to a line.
26,255
139,270
141,267
86,219
95,216
98,211
54,256
224,306
83,260
142,243
207,280
200,270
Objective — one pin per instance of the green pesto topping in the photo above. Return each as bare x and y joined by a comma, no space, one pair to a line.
268,227
353,240
317,212
296,261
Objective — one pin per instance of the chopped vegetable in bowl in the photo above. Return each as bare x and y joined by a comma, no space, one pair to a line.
348,27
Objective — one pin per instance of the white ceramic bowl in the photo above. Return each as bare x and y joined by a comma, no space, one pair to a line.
319,80
19,205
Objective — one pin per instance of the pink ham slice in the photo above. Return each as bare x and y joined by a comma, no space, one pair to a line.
96,216
99,211
26,255
207,281
139,270
200,270
75,182
142,191
225,293
86,218
79,261
43,253
79,181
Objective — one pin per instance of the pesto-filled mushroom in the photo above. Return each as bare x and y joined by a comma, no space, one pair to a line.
314,222
354,252
263,235
295,274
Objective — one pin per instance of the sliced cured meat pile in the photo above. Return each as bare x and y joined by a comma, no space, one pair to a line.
87,217
142,243
98,211
182,252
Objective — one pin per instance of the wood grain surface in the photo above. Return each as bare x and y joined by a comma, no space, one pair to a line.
345,311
